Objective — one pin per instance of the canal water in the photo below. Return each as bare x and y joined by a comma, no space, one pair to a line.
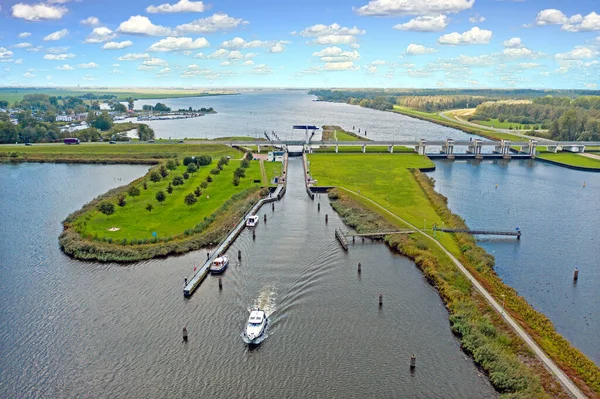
78,329
559,218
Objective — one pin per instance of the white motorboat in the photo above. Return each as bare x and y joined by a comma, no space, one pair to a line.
255,328
219,265
252,221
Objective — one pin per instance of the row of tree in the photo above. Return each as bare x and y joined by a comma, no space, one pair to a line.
563,119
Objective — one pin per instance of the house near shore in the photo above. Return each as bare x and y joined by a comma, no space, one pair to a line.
275,156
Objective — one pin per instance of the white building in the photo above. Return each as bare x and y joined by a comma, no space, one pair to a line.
64,118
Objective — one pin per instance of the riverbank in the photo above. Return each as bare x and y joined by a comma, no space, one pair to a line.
469,315
570,160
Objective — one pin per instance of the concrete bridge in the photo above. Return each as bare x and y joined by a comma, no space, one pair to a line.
499,149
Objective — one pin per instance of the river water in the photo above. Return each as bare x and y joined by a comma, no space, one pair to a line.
79,329
559,218
253,113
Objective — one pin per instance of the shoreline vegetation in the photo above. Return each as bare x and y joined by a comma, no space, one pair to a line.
512,368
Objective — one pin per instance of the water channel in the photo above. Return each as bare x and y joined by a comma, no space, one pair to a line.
77,329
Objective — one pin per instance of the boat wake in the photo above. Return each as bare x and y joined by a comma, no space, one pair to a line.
265,301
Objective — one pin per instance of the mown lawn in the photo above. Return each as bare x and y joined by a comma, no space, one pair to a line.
385,179
173,216
272,169
503,125
571,159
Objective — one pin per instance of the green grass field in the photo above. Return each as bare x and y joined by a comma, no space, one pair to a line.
502,125
173,216
272,169
385,179
358,149
571,159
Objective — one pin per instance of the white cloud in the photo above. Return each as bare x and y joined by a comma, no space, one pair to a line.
100,35
277,48
145,68
58,57
261,69
117,45
591,86
163,72
370,69
139,25
116,65
550,16
235,43
333,29
334,39
220,53
476,19
235,55
19,61
38,12
22,45
578,23
425,24
90,21
115,71
178,43
336,54
88,65
214,23
473,36
23,35
529,65
250,55
340,66
225,63
477,61
57,50
379,62
181,6
514,42
520,52
28,75
578,53
133,56
35,49
56,35
417,49
65,67
155,62
383,8
248,63
5,54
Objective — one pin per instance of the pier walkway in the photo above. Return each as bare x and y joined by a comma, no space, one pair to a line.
516,233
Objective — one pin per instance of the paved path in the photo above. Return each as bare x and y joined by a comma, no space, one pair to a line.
593,156
549,363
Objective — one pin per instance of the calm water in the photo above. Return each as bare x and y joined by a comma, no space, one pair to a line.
559,219
250,114
75,329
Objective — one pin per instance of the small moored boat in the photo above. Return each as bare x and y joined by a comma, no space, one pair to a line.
252,221
219,265
255,328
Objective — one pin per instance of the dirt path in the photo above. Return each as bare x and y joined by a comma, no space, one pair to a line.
593,156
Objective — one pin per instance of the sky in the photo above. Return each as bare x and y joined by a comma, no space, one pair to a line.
308,43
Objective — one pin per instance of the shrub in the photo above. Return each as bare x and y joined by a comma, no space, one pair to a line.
248,156
203,160
145,185
187,161
215,171
177,181
186,175
209,179
223,161
121,200
236,181
161,196
192,168
163,171
245,163
204,184
190,199
133,191
197,192
239,172
106,207
170,188
154,177
172,164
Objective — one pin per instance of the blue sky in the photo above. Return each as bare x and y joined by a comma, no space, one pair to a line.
309,43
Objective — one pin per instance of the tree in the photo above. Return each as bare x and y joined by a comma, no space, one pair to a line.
204,184
145,132
107,208
154,177
190,199
215,171
121,200
163,171
177,181
149,207
223,161
186,175
130,103
187,161
118,107
239,172
209,178
145,185
197,192
161,108
133,191
103,122
203,160
161,196
249,156
170,188
172,164
192,168
3,104
236,180
245,163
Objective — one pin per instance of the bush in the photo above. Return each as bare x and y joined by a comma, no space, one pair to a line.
197,192
145,185
204,184
149,207
154,177
121,200
248,156
236,181
223,161
170,188
186,175
203,160
161,196
177,181
215,171
239,172
245,163
187,161
172,164
163,171
190,199
209,179
192,168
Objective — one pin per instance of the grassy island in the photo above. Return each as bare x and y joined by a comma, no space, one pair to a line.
369,200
